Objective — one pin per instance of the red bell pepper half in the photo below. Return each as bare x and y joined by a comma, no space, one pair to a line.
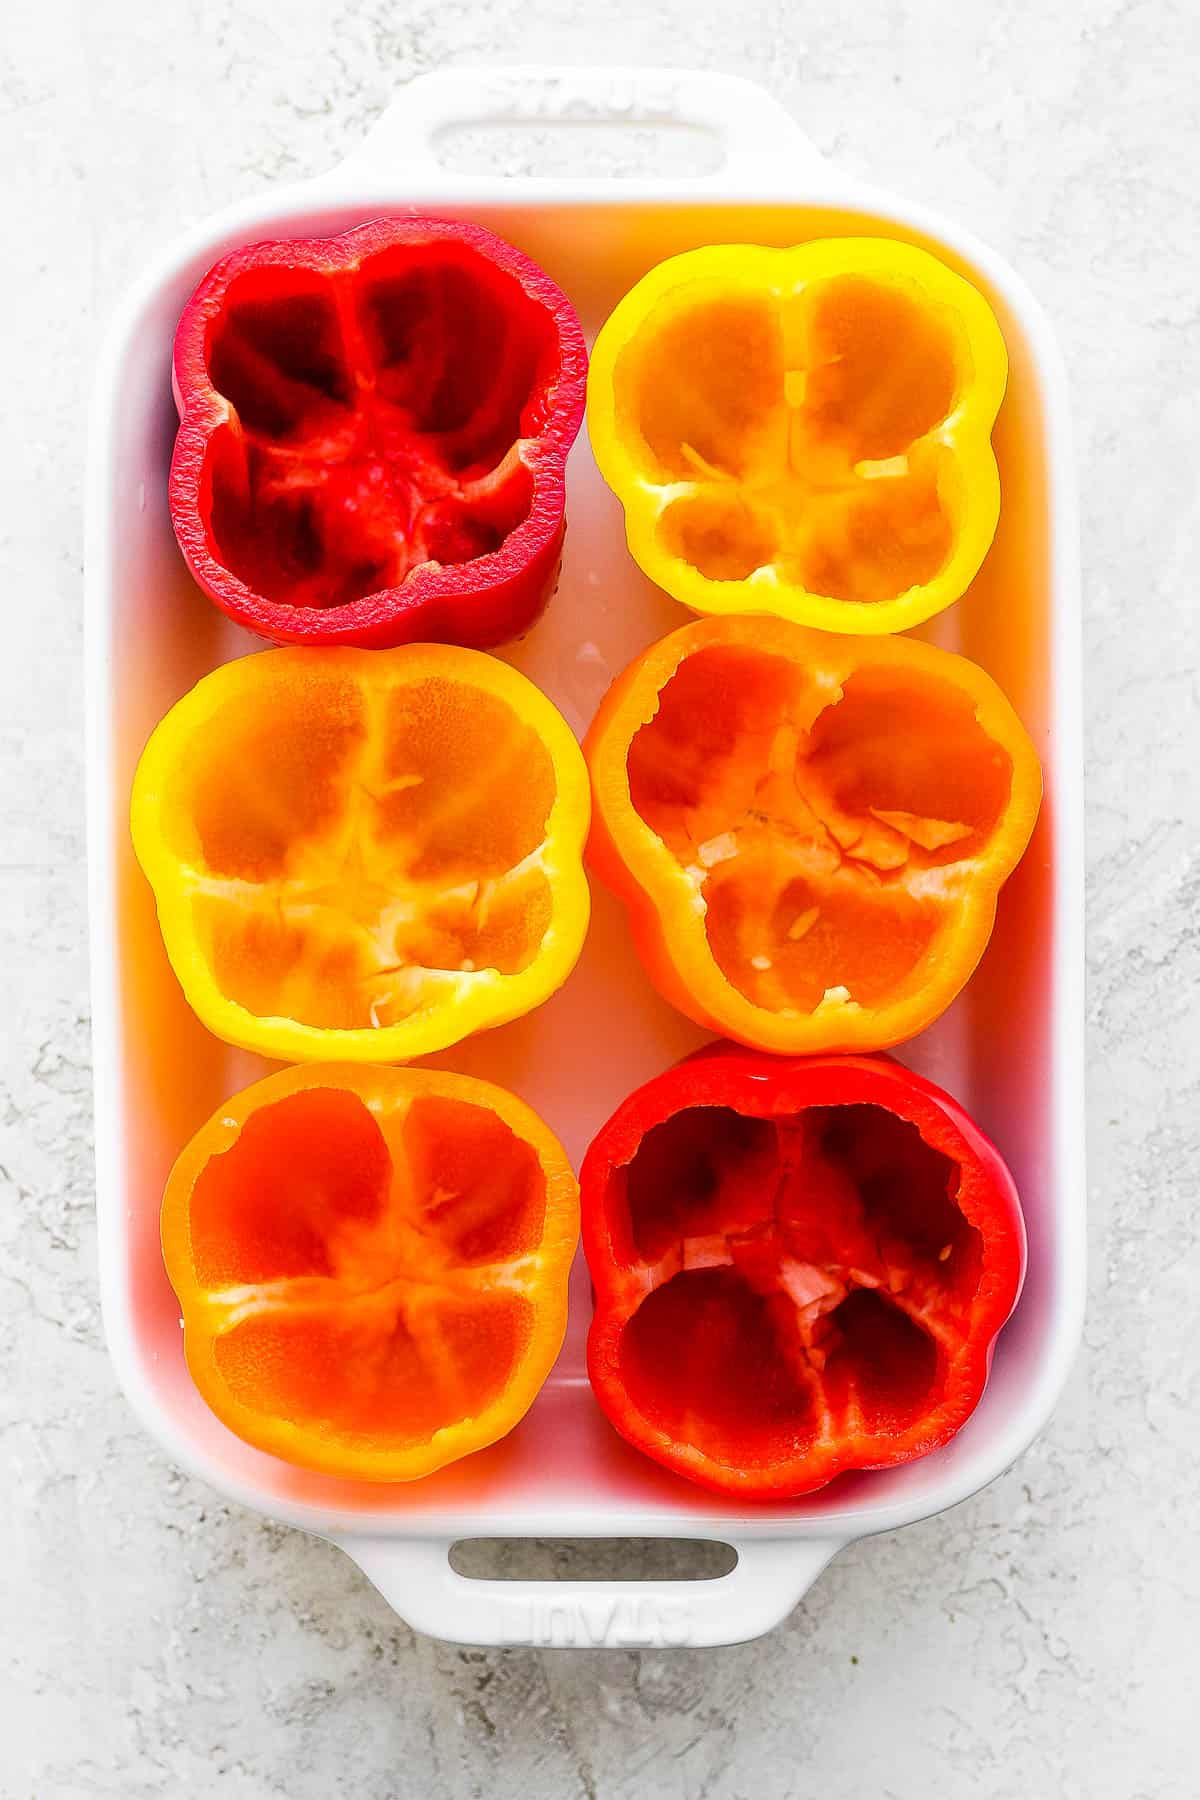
373,435
800,1267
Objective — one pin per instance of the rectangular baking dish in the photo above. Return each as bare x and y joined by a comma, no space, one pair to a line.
1010,1049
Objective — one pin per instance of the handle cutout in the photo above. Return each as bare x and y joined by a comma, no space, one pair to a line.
592,1559
615,149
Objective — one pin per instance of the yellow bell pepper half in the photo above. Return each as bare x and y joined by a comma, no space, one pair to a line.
804,432
361,854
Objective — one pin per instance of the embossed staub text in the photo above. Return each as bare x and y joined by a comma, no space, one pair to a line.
648,1622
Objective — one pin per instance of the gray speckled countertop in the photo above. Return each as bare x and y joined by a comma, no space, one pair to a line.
1038,1640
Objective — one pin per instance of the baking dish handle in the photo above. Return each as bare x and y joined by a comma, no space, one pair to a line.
761,144
415,1578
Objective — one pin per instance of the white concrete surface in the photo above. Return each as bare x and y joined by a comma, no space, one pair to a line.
1040,1640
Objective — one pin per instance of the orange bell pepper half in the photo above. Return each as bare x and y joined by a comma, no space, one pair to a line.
809,831
361,854
371,1264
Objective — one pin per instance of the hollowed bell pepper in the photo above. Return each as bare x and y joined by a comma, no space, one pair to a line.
365,855
800,1268
809,831
373,433
371,1265
803,432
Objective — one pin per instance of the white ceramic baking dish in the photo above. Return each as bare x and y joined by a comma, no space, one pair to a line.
1010,1048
